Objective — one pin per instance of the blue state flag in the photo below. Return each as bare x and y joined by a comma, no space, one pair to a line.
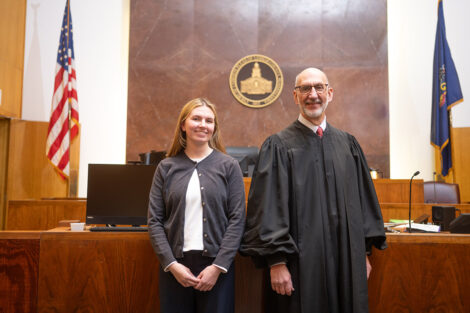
446,93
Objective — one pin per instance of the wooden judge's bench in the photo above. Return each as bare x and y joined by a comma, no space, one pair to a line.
61,271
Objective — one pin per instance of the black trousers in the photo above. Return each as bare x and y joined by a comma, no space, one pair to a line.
174,298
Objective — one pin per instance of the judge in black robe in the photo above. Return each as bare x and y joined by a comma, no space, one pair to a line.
313,209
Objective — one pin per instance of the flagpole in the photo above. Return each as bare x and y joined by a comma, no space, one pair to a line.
452,170
71,188
68,92
68,72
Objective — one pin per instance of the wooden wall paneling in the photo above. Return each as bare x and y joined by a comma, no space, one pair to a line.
30,174
398,190
388,190
247,182
97,272
421,273
4,135
19,268
43,214
178,57
12,36
461,159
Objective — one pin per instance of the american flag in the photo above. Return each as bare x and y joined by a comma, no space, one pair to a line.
63,124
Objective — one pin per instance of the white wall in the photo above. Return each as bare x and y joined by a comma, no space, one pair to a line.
411,37
101,43
101,31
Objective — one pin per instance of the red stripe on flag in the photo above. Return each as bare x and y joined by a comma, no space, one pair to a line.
58,140
58,77
64,160
58,111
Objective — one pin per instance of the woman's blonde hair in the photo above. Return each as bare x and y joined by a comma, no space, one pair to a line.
179,139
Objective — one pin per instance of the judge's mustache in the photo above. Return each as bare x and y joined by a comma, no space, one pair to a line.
316,101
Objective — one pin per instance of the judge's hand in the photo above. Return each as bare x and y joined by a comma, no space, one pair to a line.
207,278
281,281
369,267
183,275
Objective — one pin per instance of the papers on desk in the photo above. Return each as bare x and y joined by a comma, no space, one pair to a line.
426,227
400,227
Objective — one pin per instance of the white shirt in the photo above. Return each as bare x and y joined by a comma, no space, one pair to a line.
193,215
310,125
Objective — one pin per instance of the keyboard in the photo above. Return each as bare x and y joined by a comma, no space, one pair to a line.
119,229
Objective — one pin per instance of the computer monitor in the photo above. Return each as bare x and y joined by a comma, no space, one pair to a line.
246,157
118,194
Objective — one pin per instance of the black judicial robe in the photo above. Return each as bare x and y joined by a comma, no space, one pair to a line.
312,204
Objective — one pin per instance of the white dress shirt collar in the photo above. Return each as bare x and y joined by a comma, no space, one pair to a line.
310,125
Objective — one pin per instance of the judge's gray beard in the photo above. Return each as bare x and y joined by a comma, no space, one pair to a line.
316,113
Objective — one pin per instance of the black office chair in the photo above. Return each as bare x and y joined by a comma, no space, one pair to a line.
246,157
440,192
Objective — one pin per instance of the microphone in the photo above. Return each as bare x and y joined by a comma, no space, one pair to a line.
409,213
434,184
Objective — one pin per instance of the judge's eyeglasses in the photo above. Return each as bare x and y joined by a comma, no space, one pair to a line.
319,88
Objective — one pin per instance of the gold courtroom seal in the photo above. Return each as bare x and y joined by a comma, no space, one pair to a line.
256,81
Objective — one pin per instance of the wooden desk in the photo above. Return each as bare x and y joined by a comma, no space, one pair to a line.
19,268
421,273
118,272
97,272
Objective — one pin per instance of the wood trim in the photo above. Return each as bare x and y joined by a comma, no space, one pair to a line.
12,37
43,214
461,161
20,234
398,190
423,238
4,139
30,174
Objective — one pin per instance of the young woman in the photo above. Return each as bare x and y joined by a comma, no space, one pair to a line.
196,216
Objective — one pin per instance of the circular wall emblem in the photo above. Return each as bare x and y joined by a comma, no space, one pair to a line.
256,81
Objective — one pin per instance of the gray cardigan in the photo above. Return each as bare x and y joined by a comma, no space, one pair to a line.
223,204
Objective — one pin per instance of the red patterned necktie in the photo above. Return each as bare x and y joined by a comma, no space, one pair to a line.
319,132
